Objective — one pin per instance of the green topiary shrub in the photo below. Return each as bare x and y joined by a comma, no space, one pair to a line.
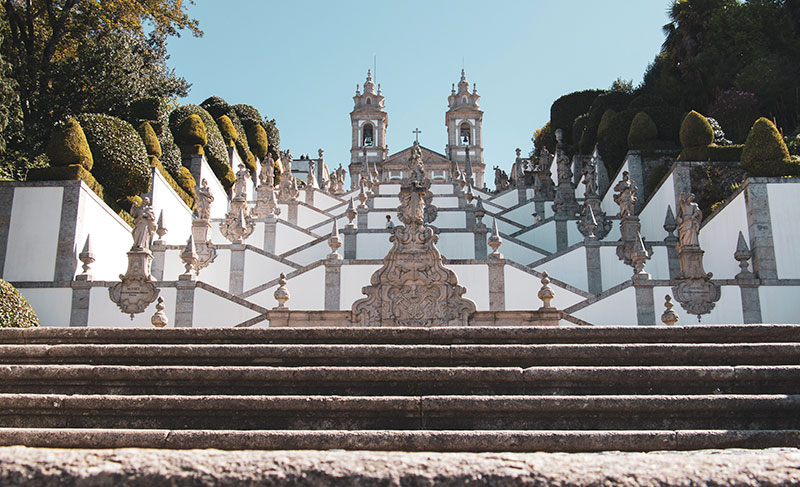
274,139
151,143
73,172
608,115
218,107
578,127
68,145
712,153
228,131
15,311
155,111
567,108
258,141
187,182
192,135
615,100
120,158
215,151
765,153
696,131
643,132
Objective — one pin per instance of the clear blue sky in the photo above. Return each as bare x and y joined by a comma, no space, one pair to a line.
299,61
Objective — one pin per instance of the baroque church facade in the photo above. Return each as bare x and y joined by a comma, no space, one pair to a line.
463,153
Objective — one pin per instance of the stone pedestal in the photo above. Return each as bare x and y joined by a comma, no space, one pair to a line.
672,257
135,292
645,301
751,301
593,266
291,213
481,248
362,220
694,289
184,301
759,224
333,283
497,283
81,292
310,195
236,277
270,229
350,241
159,249
206,251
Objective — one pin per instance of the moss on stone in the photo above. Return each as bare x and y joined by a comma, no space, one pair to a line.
68,145
15,311
696,131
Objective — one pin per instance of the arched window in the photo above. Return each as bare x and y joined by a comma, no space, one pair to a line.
369,101
464,100
464,134
367,135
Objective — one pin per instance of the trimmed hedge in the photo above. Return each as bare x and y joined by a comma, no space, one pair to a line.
274,138
151,143
643,131
120,158
68,145
155,111
228,131
712,153
696,131
258,141
578,127
73,172
615,100
15,310
192,135
215,151
765,153
605,121
567,108
218,108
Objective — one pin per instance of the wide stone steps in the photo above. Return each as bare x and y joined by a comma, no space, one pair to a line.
447,389
353,381
529,355
463,412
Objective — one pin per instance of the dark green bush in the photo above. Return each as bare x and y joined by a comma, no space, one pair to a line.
215,151
218,107
578,127
187,182
73,172
15,311
643,131
228,131
258,141
192,135
274,139
68,145
646,101
155,111
655,177
608,115
696,131
612,138
151,143
146,109
765,153
567,108
120,158
615,100
712,153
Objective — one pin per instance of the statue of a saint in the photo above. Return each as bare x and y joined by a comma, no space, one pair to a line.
689,218
626,195
203,201
144,225
267,175
240,184
590,178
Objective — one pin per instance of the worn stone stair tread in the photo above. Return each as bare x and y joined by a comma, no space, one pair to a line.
393,440
409,335
480,354
740,379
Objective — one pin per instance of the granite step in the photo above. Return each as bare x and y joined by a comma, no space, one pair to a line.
327,380
394,440
462,412
408,355
449,335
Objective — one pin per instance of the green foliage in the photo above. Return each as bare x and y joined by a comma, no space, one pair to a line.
120,158
712,153
15,311
646,100
542,138
73,172
68,145
274,138
578,127
696,131
257,137
192,135
655,177
608,115
228,131
736,111
615,100
766,154
643,132
218,108
151,143
215,151
155,111
187,182
567,108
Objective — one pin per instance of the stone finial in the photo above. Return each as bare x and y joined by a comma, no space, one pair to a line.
743,254
669,317
639,256
161,230
272,203
362,195
159,318
87,257
189,257
479,212
462,180
495,241
350,213
469,194
669,222
281,294
546,293
334,241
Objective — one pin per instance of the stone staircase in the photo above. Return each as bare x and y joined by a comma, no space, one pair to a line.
411,389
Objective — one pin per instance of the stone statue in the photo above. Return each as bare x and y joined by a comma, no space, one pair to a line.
240,184
500,179
203,201
590,178
626,195
689,218
267,175
286,161
144,225
312,177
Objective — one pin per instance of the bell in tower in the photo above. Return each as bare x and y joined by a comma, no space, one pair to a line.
463,120
369,121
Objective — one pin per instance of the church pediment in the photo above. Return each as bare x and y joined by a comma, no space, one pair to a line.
428,156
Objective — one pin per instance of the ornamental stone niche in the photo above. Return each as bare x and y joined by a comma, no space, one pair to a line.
414,288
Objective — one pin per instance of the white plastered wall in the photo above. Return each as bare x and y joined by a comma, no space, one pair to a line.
312,254
543,236
522,215
259,269
372,245
617,309
727,311
779,304
569,268
212,311
288,238
354,277
456,245
784,210
652,215
719,236
307,217
451,219
110,235
475,278
104,313
613,271
33,234
518,253
177,216
507,199
220,204
522,289
52,306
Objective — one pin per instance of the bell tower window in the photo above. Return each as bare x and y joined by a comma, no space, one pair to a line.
369,101
464,133
368,136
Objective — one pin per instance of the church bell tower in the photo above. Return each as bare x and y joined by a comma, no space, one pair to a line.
369,121
463,120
